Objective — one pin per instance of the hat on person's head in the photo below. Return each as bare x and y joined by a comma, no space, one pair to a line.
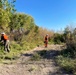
47,34
2,33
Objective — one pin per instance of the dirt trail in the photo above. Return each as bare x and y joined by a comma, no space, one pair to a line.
25,66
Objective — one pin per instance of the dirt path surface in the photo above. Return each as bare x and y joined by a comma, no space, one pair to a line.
44,66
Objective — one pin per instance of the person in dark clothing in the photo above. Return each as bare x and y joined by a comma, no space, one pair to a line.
5,40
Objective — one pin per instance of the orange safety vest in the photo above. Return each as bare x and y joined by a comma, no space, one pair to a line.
5,37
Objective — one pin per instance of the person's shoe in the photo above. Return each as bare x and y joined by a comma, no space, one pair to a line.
45,46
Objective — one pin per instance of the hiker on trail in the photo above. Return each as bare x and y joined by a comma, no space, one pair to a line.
5,41
46,40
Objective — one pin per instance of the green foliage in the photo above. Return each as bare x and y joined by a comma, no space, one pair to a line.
71,44
57,38
67,30
69,65
39,55
27,45
36,57
20,20
4,18
21,29
67,57
6,9
15,46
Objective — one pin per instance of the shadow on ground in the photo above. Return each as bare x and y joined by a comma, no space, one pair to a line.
27,54
46,55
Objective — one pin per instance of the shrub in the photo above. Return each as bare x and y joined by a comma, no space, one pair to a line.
36,57
69,65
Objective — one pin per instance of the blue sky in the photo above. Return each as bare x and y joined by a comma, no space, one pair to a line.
50,14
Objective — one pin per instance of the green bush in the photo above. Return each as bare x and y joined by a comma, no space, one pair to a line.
36,57
68,64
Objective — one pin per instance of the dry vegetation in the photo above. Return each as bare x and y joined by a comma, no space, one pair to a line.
25,35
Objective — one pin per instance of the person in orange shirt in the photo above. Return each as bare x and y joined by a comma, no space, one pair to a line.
5,40
46,40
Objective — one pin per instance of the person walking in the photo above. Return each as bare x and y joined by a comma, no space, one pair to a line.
5,40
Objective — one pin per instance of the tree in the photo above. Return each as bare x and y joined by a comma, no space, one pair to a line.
20,20
6,9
